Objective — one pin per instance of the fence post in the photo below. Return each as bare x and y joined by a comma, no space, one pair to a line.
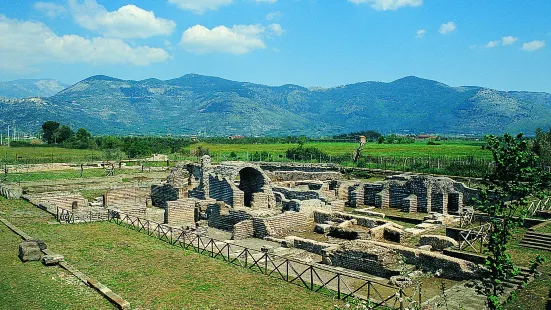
420,290
287,269
311,278
266,263
401,299
338,286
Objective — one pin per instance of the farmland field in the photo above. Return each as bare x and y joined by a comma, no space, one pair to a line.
451,149
46,154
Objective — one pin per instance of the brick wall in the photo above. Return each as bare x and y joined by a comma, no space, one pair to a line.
243,230
294,194
279,224
181,212
221,217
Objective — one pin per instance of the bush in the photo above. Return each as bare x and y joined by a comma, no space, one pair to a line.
306,153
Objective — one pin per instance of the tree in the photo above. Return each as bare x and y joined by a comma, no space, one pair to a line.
542,146
48,131
514,178
63,134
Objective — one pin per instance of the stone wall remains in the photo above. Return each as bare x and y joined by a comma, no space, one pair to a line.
243,230
279,224
160,194
181,212
222,217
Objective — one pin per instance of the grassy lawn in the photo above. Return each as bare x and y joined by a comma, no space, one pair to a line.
31,285
546,229
64,174
32,155
151,274
452,149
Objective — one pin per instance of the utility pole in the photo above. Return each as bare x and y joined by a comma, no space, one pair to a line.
8,135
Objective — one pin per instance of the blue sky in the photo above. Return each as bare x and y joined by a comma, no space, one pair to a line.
501,44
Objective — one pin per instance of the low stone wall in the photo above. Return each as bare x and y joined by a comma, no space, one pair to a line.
311,246
294,194
451,267
243,230
303,175
10,191
306,167
369,258
321,216
279,224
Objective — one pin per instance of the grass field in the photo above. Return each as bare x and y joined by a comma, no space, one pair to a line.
150,274
45,154
452,149
64,174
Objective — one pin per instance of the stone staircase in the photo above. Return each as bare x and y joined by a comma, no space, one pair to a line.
536,240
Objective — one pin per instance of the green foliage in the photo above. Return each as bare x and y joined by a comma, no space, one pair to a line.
63,134
306,153
542,146
514,178
48,131
370,135
395,139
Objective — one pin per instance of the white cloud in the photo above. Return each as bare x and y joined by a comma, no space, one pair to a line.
274,15
447,28
240,39
267,1
276,29
200,6
385,5
127,22
508,40
492,44
533,45
420,33
49,8
27,43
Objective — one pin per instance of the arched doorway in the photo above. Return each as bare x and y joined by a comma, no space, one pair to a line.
250,181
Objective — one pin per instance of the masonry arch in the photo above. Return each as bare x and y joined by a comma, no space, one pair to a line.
251,181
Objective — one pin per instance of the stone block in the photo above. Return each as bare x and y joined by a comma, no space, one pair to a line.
392,234
437,242
427,247
29,251
322,228
52,259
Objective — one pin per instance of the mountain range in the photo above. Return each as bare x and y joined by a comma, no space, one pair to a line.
30,88
213,106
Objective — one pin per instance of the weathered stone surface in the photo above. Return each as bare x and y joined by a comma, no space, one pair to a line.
41,244
322,228
29,251
400,281
392,233
10,191
437,242
365,257
451,267
52,259
426,247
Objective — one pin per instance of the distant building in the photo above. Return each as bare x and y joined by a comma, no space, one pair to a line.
425,137
236,137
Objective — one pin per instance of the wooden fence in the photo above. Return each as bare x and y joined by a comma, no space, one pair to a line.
315,277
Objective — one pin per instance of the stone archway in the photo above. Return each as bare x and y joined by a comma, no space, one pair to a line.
251,181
